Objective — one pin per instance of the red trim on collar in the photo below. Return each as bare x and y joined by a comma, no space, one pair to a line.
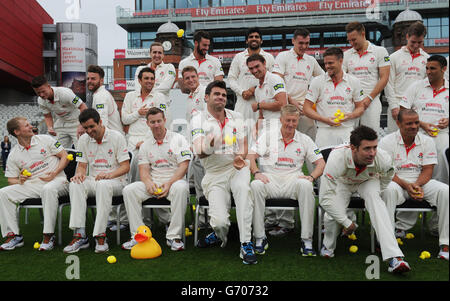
436,93
299,58
359,170
409,148
201,61
414,55
363,54
286,144
336,84
27,147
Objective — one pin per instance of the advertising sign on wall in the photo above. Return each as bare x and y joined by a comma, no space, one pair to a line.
73,62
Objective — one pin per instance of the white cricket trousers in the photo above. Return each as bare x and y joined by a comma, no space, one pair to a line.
284,187
66,133
371,116
378,213
135,194
435,193
49,192
217,188
103,191
391,124
330,136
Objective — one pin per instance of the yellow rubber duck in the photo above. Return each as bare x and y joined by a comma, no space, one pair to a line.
147,247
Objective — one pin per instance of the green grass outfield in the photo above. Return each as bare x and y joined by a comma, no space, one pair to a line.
282,261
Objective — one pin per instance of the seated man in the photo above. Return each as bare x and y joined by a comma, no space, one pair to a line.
219,139
105,153
281,162
414,156
361,168
45,159
163,162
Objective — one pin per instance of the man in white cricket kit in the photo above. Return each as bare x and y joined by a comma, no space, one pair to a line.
135,107
359,167
165,74
209,68
335,90
195,104
104,152
371,65
106,106
414,157
218,137
429,98
61,108
103,101
163,163
298,69
242,81
270,94
280,176
407,66
45,159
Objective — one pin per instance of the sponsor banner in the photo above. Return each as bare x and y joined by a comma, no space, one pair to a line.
131,53
73,52
124,85
281,8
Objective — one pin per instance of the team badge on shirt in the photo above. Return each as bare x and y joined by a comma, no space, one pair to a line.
57,144
100,106
317,151
75,100
278,86
387,59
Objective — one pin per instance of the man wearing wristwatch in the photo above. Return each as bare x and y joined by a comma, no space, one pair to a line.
281,155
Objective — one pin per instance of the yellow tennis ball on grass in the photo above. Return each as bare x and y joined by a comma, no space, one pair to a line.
353,249
111,259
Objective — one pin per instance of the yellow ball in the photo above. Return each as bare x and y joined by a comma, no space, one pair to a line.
180,33
399,241
111,259
352,236
336,120
353,249
426,254
69,157
158,191
409,236
36,245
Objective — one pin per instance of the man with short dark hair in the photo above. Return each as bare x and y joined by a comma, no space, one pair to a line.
103,101
63,105
414,157
163,163
298,69
408,64
270,94
35,169
219,139
165,74
209,68
338,99
104,152
241,80
359,167
370,64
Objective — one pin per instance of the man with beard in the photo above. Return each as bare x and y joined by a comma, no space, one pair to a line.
103,101
208,67
241,81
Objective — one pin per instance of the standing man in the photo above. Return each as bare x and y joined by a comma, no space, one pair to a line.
429,98
280,175
298,69
103,101
163,163
45,159
218,137
165,74
414,158
196,104
106,106
370,64
270,94
104,152
333,91
208,67
407,66
242,81
361,168
63,105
